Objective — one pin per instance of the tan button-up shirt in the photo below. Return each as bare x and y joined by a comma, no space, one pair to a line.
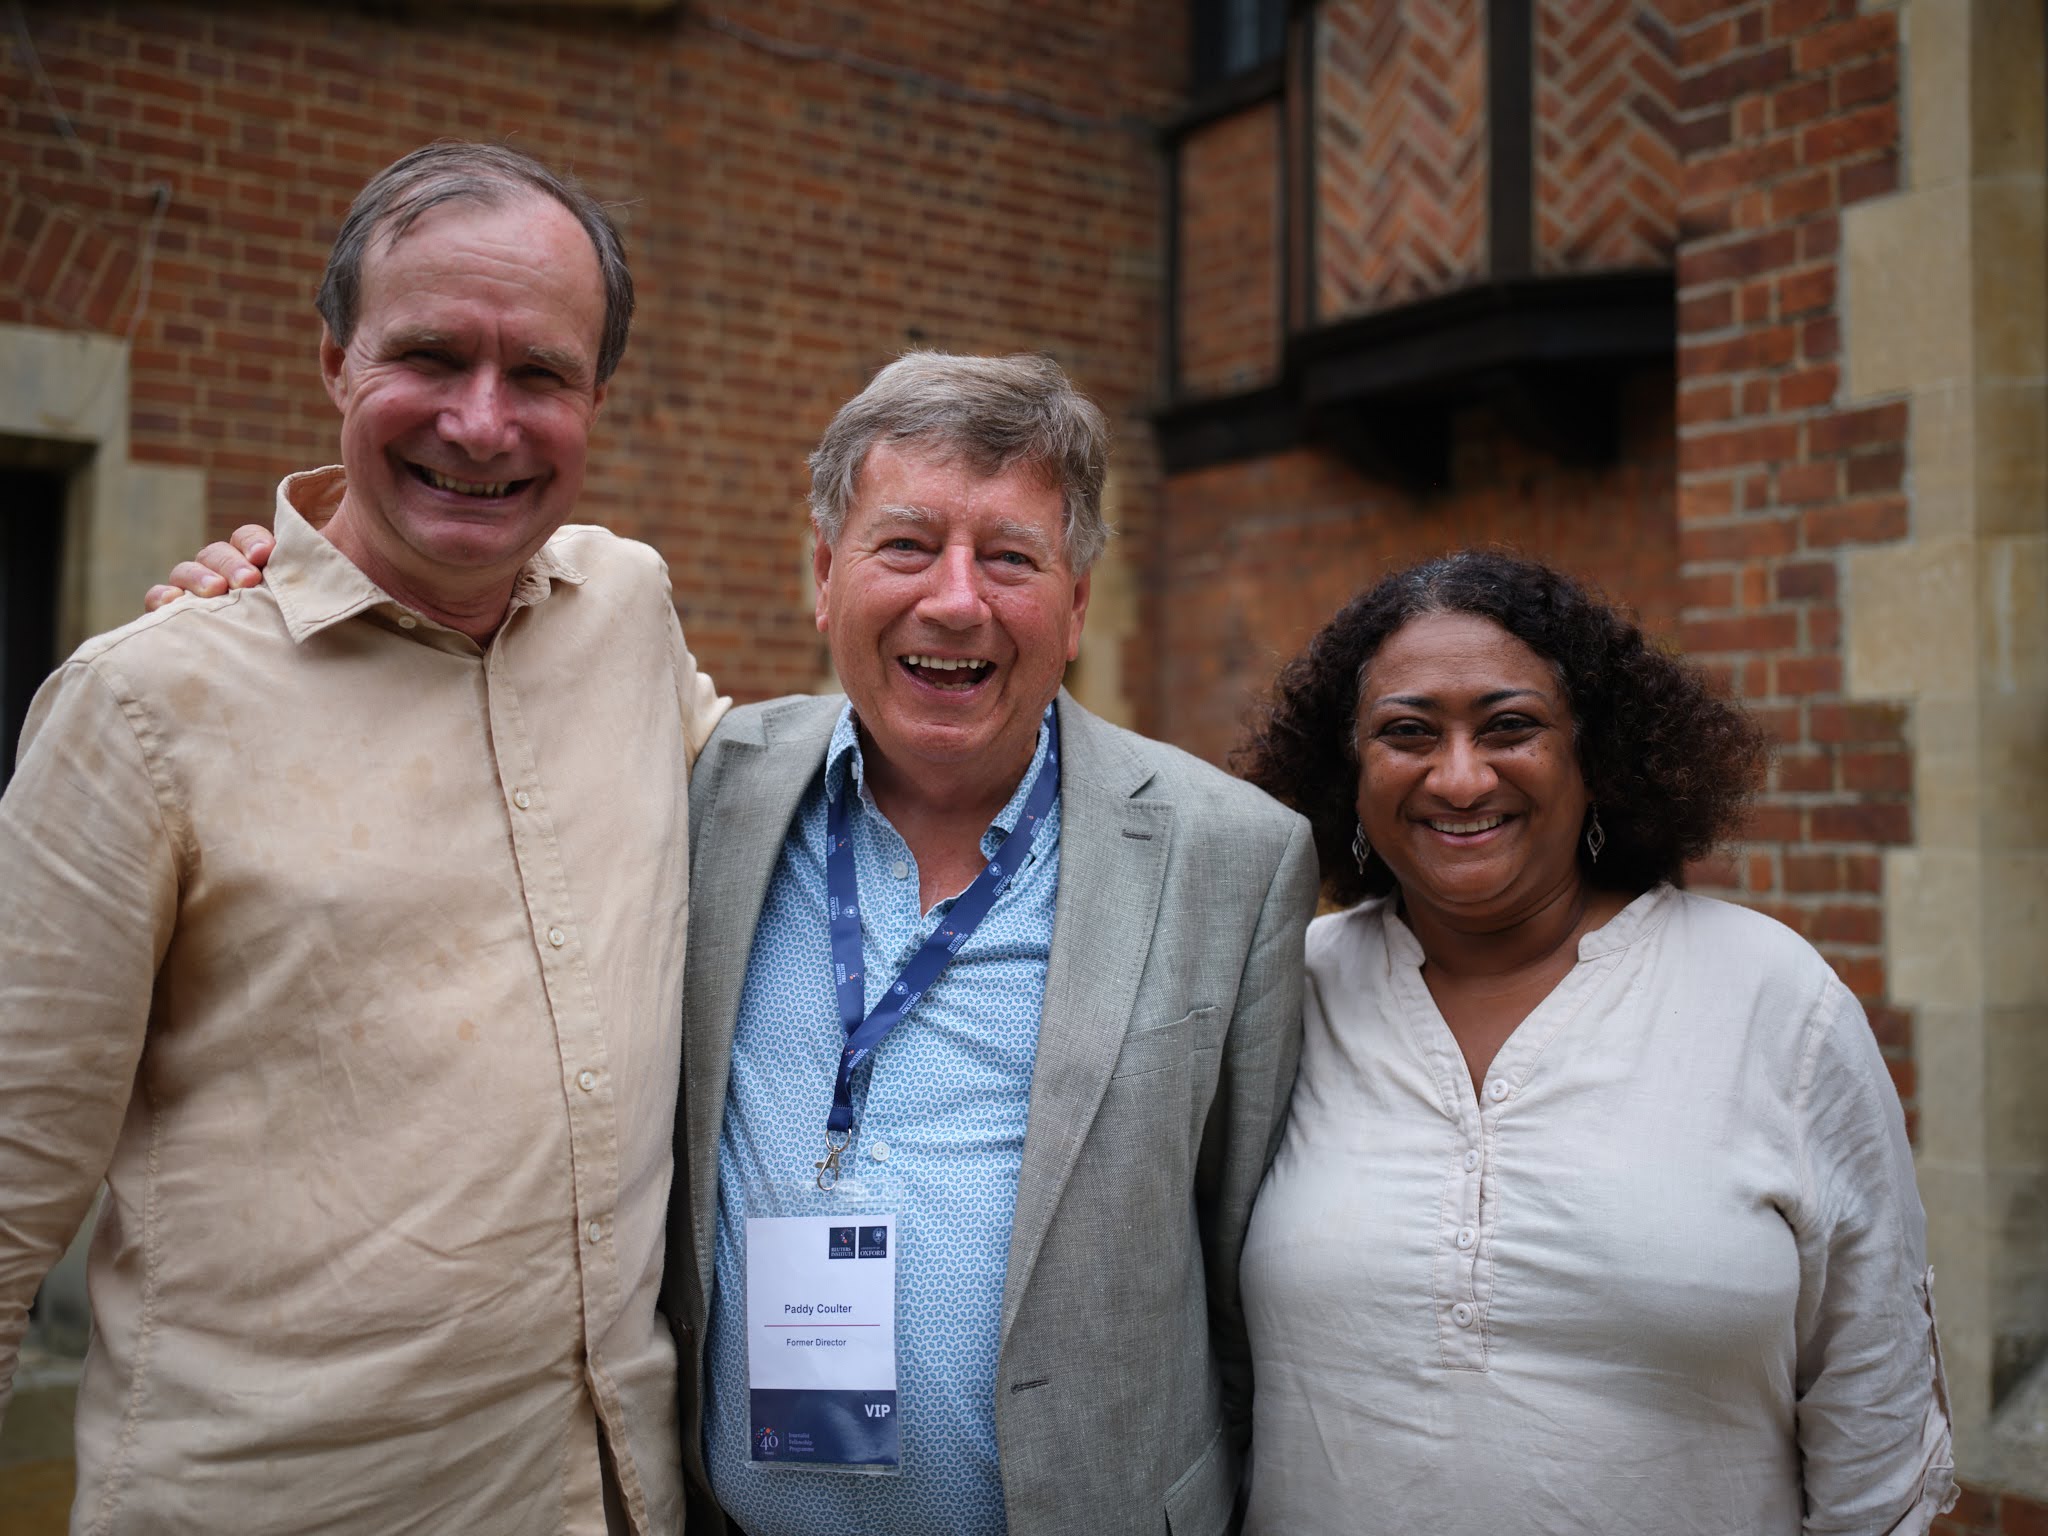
351,954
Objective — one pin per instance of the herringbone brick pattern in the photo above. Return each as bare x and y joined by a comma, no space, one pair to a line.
1606,151
1400,151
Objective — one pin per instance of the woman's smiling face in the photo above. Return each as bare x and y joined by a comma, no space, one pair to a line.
1468,784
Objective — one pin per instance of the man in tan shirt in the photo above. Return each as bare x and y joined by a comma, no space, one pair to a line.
333,939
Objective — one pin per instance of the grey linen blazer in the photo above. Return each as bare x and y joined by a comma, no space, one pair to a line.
1166,1052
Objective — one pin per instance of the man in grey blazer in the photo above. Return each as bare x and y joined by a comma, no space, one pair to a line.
1068,1126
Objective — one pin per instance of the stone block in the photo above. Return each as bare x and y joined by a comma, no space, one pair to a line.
1948,812
1948,1051
2008,243
1935,934
2008,108
2015,909
2012,763
1911,612
2015,1059
144,519
2009,445
2013,615
1942,459
1937,89
1906,316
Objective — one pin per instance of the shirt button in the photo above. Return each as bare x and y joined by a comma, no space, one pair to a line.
1497,1089
1467,1237
407,621
586,1079
1471,1158
557,938
879,1151
522,799
595,1231
900,870
1461,1314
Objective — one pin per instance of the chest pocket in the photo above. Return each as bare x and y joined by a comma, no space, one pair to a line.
1164,1045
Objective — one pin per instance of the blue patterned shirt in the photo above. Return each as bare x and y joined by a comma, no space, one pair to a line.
941,1110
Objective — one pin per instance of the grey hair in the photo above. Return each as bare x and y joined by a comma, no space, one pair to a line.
991,412
449,171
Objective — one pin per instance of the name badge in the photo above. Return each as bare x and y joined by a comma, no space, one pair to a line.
821,1341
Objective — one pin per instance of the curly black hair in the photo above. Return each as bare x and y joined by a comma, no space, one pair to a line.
1670,766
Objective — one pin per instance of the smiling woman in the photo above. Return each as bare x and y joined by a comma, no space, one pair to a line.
1670,766
1594,1209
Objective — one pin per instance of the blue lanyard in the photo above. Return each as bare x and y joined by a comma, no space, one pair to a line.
864,1035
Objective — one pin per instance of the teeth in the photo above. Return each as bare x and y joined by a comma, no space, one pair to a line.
945,664
466,487
1485,824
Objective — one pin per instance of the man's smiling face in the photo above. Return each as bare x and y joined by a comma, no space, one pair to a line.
951,611
467,393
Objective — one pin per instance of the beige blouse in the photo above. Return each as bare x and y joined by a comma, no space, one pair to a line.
351,954
1663,1273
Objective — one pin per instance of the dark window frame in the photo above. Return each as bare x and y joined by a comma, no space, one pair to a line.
1229,38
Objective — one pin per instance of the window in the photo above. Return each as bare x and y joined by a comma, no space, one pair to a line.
1234,37
31,554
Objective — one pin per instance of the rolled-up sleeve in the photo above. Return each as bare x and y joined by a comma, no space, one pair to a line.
1873,1413
87,904
697,698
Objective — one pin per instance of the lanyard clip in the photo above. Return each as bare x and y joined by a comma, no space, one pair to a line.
828,1170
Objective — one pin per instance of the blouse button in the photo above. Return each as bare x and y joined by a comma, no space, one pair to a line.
1467,1237
1471,1158
1497,1089
1461,1314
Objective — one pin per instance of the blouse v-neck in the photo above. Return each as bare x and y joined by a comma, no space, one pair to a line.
1432,1037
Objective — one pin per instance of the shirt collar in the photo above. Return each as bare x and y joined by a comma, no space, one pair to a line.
317,586
843,757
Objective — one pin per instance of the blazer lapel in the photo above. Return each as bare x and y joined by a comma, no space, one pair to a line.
1113,851
763,771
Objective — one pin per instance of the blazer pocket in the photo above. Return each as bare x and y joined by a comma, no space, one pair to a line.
1162,1045
1201,1499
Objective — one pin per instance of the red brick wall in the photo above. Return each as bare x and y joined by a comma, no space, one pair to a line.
1400,100
1254,557
1993,1514
975,176
1230,253
1791,115
1606,131
824,219
263,122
